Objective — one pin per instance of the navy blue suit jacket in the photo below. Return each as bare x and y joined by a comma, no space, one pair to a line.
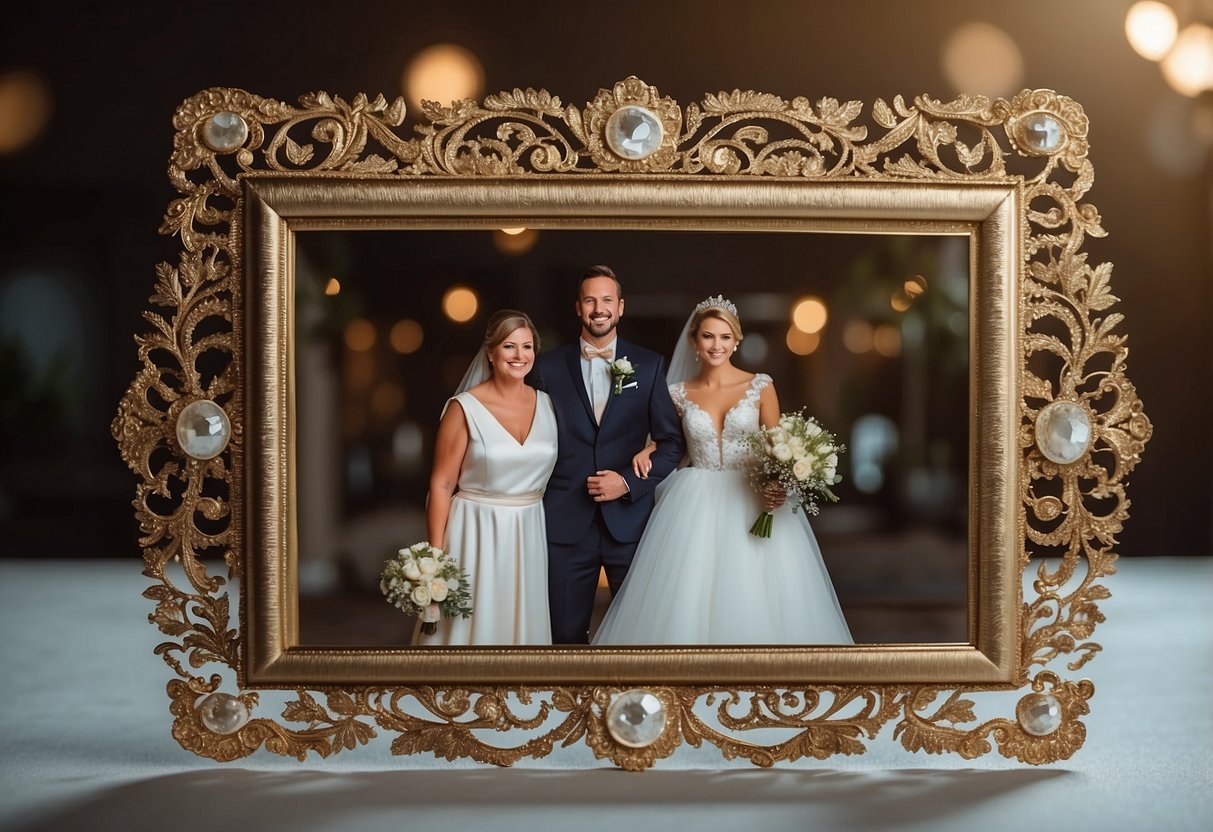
642,410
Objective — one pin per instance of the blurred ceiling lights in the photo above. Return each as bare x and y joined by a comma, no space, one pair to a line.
444,73
406,336
25,109
810,315
515,241
1184,55
460,304
980,58
801,342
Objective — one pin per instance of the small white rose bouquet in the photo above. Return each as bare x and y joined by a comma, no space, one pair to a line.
621,371
801,457
425,581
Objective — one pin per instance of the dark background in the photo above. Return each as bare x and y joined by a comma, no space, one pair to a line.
82,203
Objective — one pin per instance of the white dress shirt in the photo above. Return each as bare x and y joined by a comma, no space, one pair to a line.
596,373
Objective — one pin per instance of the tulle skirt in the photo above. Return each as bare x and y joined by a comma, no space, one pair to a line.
699,577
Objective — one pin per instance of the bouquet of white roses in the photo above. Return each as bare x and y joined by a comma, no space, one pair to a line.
425,581
801,457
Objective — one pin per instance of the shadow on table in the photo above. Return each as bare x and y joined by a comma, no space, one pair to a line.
309,800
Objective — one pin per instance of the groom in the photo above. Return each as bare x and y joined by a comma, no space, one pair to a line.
596,506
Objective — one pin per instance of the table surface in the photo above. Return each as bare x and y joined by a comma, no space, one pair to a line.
85,743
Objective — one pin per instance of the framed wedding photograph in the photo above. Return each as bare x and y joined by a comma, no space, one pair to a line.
913,278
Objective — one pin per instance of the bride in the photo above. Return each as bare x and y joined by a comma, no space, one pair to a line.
698,576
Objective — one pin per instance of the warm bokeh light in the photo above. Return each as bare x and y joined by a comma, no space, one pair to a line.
801,342
358,372
387,401
1188,67
515,241
981,58
406,336
25,109
444,73
460,304
900,301
809,314
857,336
333,287
1151,28
360,335
887,340
915,286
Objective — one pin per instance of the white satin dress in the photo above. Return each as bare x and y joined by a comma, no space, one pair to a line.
496,529
699,576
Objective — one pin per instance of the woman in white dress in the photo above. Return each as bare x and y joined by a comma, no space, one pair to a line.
698,576
495,449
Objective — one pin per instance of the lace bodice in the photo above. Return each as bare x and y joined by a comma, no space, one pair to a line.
725,451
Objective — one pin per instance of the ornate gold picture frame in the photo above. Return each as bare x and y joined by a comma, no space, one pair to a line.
1054,429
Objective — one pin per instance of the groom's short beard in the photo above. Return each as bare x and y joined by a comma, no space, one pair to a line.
596,327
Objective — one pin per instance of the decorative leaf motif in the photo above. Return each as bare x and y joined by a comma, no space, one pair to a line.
296,154
882,115
725,103
304,709
838,115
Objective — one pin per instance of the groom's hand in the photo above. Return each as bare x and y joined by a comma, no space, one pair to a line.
605,486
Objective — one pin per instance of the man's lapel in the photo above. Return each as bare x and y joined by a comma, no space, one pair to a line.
572,359
621,351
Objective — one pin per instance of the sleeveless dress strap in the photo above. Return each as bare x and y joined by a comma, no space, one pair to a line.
678,395
759,383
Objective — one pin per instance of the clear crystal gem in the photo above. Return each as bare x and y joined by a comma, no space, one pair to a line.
1039,714
203,429
224,132
636,718
222,713
1063,432
1041,132
633,132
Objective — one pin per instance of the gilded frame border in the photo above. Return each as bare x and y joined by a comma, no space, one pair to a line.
276,207
942,167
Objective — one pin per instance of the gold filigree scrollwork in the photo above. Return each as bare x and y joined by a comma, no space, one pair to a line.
1071,352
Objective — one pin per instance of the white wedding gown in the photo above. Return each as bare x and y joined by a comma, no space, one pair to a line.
699,576
496,529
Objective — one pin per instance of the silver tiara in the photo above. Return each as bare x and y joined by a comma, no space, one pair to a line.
717,302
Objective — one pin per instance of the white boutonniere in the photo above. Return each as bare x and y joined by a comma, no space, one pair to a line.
621,371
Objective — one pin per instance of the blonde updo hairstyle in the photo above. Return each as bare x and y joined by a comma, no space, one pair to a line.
502,323
721,314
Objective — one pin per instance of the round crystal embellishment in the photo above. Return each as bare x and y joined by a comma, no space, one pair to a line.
634,132
223,713
203,429
1039,714
1063,432
1041,132
224,132
636,718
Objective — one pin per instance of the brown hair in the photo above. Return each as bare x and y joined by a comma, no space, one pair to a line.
502,323
599,271
721,314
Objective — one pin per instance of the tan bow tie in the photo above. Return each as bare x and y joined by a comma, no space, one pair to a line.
606,353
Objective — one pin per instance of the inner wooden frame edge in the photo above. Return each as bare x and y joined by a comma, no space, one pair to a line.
276,206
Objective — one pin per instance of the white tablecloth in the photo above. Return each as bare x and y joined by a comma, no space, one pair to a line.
85,743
